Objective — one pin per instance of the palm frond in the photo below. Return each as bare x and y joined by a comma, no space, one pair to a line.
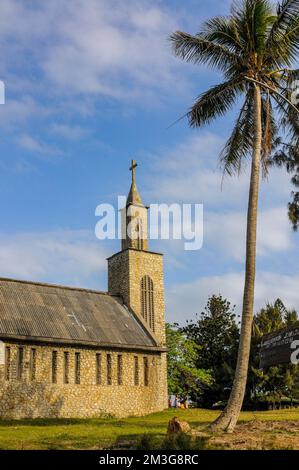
289,115
239,144
197,49
283,41
253,20
223,31
269,130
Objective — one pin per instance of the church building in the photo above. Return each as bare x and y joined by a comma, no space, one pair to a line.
73,352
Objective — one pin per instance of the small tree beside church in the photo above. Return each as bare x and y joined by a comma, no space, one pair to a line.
184,378
216,333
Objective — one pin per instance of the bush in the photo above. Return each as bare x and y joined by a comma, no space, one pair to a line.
183,441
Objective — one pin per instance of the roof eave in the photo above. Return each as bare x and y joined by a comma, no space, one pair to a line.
91,344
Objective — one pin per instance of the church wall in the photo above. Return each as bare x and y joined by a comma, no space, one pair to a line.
119,276
144,263
38,397
125,271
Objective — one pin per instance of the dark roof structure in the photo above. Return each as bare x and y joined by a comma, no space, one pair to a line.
57,314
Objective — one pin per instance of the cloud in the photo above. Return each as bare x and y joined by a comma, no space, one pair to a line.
71,257
31,144
69,132
17,112
190,172
186,299
274,232
112,48
103,47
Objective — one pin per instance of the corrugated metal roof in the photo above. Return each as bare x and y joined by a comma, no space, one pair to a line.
64,314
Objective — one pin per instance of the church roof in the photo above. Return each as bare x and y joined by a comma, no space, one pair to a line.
134,196
57,314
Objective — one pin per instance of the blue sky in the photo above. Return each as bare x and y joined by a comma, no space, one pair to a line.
89,85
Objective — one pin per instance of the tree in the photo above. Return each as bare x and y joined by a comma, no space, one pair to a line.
252,48
288,156
184,378
216,332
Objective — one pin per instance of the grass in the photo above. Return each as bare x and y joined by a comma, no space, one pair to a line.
105,432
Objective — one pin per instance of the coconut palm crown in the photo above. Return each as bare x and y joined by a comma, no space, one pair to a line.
254,45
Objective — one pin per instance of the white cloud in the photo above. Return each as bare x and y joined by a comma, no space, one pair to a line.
69,132
225,232
67,256
31,144
184,300
190,172
102,44
18,111
106,47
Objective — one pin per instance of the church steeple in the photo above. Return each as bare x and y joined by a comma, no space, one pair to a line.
133,196
134,218
134,273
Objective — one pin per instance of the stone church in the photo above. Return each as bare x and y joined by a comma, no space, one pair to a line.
72,352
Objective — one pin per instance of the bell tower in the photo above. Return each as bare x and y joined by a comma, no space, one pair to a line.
135,273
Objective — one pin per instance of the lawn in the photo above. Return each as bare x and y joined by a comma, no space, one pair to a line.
271,428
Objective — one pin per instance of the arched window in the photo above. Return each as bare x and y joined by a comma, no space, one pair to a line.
147,301
139,229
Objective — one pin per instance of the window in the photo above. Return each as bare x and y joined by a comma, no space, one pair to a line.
145,370
139,229
109,369
20,363
147,301
66,367
98,369
119,369
136,370
7,362
77,367
32,364
54,367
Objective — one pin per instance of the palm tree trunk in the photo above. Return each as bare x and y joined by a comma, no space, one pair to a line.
229,417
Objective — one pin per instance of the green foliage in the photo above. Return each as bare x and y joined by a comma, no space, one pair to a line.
276,382
182,441
288,156
202,356
184,378
216,334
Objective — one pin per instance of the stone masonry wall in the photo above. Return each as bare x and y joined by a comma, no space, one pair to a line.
118,275
144,263
125,271
27,398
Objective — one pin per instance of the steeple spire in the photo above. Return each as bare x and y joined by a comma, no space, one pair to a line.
133,196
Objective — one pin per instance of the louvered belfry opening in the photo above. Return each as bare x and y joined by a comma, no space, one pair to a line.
139,229
147,301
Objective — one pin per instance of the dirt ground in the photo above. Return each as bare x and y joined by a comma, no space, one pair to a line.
257,435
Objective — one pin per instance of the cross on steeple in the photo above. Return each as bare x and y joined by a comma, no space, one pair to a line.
132,169
133,196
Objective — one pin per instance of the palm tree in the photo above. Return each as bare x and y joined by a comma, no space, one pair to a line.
254,48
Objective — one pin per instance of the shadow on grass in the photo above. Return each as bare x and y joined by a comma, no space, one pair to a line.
58,422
